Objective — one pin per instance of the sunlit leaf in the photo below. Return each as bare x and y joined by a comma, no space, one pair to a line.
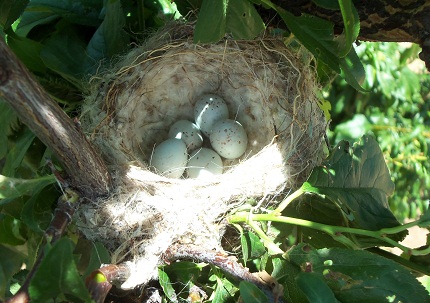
357,180
359,276
224,290
51,281
252,246
351,26
166,285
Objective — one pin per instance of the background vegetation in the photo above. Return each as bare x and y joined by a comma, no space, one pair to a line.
64,42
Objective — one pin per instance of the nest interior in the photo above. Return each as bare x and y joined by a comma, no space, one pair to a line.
268,88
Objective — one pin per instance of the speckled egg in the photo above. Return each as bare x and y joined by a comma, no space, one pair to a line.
229,139
204,163
208,110
188,132
170,158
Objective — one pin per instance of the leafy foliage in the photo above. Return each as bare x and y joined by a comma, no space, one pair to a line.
343,205
395,110
353,276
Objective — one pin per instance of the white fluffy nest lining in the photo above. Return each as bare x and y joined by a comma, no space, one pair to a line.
272,93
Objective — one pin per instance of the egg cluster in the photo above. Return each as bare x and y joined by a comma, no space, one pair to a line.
184,148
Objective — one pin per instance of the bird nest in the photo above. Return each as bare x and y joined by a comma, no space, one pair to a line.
269,88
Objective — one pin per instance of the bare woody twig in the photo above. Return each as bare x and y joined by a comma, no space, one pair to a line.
62,217
228,264
47,120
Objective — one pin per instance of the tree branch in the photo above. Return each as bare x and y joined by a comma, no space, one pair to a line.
380,20
85,168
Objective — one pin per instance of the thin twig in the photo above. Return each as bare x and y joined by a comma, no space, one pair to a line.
62,217
226,263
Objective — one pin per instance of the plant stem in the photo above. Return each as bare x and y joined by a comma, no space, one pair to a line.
332,230
288,200
62,217
272,247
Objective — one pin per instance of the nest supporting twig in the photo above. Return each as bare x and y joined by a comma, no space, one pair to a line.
268,88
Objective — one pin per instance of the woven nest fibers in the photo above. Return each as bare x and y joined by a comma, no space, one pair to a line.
267,88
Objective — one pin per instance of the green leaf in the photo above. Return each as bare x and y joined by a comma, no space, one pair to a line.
166,285
224,290
13,187
315,288
285,273
184,271
317,35
252,246
37,211
243,20
358,181
251,293
216,18
10,230
110,38
353,129
99,256
10,11
28,51
8,121
84,12
57,275
65,53
17,153
211,23
351,23
10,263
359,276
353,70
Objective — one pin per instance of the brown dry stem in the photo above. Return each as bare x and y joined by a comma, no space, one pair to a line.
226,263
34,106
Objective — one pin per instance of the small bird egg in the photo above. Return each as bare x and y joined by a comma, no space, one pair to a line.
228,139
204,163
208,110
188,132
170,158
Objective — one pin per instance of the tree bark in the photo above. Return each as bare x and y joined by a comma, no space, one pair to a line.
380,20
87,172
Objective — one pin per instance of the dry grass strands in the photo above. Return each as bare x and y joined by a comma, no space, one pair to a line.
268,89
